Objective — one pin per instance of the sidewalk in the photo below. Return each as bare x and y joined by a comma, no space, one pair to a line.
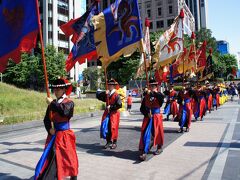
209,151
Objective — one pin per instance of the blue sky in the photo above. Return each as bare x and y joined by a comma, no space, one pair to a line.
224,21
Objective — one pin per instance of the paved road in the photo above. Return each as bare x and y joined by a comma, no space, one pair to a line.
211,150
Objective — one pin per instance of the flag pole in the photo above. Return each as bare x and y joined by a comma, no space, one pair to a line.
181,15
105,73
42,48
145,62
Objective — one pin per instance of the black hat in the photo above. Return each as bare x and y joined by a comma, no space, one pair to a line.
153,82
112,82
62,83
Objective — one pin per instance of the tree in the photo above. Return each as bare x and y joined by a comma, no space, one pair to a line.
229,62
29,72
124,69
91,76
206,34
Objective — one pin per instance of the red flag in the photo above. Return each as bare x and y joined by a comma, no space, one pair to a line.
201,63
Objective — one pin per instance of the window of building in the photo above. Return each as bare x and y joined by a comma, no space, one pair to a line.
159,11
148,5
50,34
170,1
159,3
149,13
160,24
64,50
151,25
62,37
169,22
170,9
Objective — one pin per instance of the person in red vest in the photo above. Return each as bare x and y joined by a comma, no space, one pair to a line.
129,102
152,133
59,159
209,98
111,115
171,104
185,109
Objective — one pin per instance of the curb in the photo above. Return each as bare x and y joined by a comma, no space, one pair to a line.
39,123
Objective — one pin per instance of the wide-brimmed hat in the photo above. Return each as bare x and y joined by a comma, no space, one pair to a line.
112,82
62,83
153,82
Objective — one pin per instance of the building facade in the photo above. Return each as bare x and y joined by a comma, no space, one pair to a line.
53,14
199,11
223,47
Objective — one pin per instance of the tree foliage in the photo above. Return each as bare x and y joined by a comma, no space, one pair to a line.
124,69
29,72
91,76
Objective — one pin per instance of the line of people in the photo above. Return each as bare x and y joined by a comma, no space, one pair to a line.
59,159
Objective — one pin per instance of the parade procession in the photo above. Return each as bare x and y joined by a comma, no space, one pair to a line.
159,105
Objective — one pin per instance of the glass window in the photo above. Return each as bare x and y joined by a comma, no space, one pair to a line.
151,25
149,13
169,22
159,11
170,9
159,3
160,24
148,5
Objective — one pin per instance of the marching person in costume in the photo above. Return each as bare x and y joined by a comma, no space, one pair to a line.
152,133
186,110
216,97
209,98
111,115
59,159
171,104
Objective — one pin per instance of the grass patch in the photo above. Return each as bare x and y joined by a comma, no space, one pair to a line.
19,105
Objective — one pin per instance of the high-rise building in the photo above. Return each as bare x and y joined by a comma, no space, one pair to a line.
199,11
53,14
223,47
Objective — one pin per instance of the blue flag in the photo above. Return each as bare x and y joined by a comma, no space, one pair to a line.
118,31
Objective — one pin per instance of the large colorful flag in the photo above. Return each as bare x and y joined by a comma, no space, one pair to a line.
170,44
147,51
120,34
82,30
19,29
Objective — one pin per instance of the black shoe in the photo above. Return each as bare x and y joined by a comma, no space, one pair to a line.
143,157
158,151
187,130
114,146
180,130
108,145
